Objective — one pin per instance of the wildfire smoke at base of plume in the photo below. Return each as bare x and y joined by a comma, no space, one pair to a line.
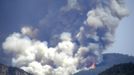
73,52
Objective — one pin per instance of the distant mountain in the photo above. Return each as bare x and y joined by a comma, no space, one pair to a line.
108,61
121,69
5,70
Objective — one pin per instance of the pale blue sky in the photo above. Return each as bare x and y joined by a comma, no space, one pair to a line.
124,38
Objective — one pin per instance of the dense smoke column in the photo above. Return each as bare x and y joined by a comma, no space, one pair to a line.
98,30
76,46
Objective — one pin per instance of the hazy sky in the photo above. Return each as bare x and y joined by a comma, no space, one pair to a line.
124,38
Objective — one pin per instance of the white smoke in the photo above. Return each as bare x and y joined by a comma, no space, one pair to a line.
35,57
68,56
29,31
71,4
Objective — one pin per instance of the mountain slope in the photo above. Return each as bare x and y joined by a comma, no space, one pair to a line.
121,69
5,70
108,61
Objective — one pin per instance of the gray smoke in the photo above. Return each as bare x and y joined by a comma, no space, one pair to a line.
73,51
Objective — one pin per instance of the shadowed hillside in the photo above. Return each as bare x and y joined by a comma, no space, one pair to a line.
5,70
108,61
121,69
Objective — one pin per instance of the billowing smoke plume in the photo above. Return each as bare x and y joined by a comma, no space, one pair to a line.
74,51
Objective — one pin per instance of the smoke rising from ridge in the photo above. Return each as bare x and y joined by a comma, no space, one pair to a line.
73,51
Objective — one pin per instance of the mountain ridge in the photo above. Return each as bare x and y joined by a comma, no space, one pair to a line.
120,69
8,70
109,60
